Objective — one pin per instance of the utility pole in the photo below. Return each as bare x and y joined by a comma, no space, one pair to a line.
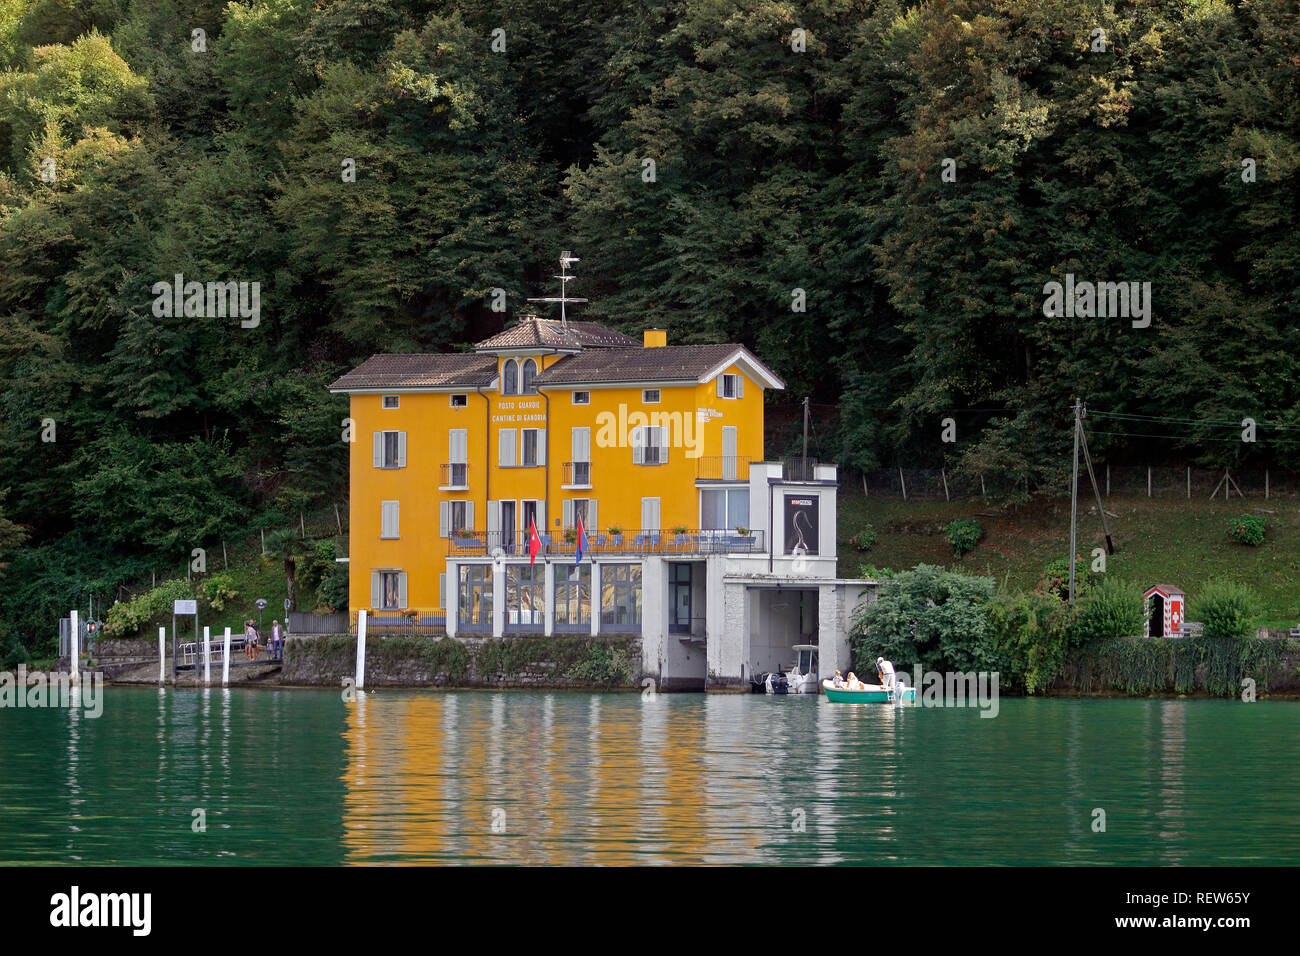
803,469
1087,460
1074,492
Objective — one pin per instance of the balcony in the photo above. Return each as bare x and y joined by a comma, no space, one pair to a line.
577,474
722,468
455,477
627,541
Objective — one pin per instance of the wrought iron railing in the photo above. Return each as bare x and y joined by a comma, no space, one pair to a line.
615,541
455,475
722,468
577,473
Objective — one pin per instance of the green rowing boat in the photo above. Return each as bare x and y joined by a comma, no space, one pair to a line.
874,694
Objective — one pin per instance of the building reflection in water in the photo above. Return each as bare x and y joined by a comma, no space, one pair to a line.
1172,794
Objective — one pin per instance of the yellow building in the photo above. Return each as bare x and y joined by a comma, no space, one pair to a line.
655,450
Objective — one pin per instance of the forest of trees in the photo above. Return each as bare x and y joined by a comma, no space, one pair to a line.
794,146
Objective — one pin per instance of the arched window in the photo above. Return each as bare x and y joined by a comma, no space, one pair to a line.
530,377
509,378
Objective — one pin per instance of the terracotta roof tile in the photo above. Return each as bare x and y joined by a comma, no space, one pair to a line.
427,370
536,332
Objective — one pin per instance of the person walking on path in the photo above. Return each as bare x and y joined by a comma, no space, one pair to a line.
277,641
250,640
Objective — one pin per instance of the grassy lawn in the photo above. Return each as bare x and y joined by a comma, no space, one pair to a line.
1157,541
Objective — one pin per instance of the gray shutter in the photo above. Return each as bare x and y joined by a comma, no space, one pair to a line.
442,591
592,517
493,524
566,513
401,449
376,589
541,517
740,386
718,381
638,451
444,519
541,446
506,447
401,590
581,444
469,515
379,449
457,446
661,435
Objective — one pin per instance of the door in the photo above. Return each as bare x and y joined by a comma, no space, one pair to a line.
679,585
1157,626
508,526
529,516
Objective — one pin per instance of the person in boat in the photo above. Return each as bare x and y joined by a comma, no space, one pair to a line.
885,671
854,683
837,680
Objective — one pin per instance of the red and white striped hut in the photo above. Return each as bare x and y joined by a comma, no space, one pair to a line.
1165,610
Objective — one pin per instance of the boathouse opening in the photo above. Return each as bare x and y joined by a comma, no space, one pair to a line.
779,618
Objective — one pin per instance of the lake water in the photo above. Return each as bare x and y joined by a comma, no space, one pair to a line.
304,777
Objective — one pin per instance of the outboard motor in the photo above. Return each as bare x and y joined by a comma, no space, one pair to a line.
777,684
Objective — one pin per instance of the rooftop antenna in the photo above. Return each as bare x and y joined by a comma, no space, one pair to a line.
566,259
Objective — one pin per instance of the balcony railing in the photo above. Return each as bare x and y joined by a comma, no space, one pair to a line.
796,469
722,468
607,542
577,474
455,475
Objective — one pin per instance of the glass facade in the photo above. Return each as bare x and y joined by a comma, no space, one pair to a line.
573,598
620,597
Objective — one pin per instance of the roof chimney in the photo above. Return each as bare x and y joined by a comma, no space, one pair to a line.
654,338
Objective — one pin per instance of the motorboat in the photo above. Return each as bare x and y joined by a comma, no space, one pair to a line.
869,693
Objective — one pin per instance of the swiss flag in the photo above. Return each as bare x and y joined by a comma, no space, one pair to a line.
534,542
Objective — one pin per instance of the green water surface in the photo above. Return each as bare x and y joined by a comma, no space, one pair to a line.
303,776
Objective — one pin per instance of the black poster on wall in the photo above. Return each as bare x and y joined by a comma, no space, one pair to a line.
801,524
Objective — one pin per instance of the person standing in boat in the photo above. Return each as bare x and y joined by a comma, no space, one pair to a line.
885,671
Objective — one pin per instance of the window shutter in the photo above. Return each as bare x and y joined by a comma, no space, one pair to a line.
401,449
541,446
379,449
740,386
442,591
719,384
457,446
444,519
541,517
506,448
376,589
401,590
581,444
469,515
661,434
638,450
592,517
385,520
566,513
493,524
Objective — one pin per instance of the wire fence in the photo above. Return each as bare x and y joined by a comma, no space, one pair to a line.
1156,481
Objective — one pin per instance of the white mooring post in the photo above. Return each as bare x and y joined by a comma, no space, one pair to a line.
225,660
74,645
361,649
207,655
162,654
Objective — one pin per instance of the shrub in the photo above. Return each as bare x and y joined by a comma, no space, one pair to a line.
154,606
865,539
1228,609
1033,631
333,590
963,535
928,616
1246,529
219,590
604,665
1111,609
1055,579
874,573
